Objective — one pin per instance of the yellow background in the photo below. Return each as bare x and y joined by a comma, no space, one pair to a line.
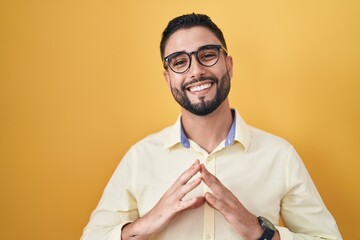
81,81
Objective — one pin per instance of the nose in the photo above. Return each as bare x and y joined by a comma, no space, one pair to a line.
196,69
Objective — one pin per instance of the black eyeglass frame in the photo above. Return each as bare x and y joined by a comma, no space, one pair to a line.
219,47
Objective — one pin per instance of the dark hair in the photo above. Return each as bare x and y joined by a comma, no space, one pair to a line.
188,21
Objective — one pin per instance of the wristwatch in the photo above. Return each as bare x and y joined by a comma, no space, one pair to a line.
269,229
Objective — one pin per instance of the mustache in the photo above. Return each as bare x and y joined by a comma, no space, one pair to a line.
200,79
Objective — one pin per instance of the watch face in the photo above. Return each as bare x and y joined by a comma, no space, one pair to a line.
267,223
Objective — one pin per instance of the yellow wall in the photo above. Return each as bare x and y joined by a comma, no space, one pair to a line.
80,81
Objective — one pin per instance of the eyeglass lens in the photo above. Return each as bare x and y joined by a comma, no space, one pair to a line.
207,56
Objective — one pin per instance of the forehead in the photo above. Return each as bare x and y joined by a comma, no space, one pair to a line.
190,39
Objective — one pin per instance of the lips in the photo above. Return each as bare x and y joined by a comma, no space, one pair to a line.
199,85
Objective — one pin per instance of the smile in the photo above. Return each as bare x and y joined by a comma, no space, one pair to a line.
200,87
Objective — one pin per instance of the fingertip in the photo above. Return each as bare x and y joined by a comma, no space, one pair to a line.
197,162
199,201
202,200
209,199
207,195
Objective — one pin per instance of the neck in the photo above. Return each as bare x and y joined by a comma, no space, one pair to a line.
208,131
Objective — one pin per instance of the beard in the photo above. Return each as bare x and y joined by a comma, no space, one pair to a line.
204,107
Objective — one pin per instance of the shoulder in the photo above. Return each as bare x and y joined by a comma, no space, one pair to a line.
156,140
265,140
275,150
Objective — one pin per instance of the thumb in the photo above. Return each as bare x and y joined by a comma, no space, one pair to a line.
210,199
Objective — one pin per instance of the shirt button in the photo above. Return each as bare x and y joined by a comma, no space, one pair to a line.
207,236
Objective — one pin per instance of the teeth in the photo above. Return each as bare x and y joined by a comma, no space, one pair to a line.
200,87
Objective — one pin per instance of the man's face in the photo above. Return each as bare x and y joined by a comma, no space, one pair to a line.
200,89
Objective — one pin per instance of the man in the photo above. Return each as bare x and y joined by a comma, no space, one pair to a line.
209,176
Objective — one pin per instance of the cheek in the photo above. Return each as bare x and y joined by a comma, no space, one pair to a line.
175,81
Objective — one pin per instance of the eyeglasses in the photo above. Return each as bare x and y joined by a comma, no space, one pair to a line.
208,56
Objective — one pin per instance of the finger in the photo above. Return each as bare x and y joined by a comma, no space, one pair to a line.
191,203
211,181
222,207
199,201
211,200
214,202
187,174
185,189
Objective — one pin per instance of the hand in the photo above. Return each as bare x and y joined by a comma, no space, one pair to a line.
169,206
224,201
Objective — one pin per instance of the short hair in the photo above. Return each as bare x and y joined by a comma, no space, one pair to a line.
187,21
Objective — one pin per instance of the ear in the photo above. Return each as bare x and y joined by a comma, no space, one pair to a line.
229,65
167,78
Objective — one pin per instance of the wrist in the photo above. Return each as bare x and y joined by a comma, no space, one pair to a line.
134,231
253,231
257,233
276,235
269,229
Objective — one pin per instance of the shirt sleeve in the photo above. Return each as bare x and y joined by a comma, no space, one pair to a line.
117,206
302,209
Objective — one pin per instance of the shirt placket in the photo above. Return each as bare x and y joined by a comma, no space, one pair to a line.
209,212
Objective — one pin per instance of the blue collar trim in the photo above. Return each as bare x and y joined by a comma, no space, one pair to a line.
229,139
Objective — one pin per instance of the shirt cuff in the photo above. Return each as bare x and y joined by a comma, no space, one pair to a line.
284,233
117,232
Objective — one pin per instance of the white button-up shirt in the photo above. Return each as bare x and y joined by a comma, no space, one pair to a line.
263,171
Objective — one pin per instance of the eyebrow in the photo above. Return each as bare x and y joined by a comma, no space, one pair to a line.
206,45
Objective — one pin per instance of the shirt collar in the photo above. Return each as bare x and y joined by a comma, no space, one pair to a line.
239,132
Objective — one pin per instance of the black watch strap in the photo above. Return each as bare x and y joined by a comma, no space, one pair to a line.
268,234
269,229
